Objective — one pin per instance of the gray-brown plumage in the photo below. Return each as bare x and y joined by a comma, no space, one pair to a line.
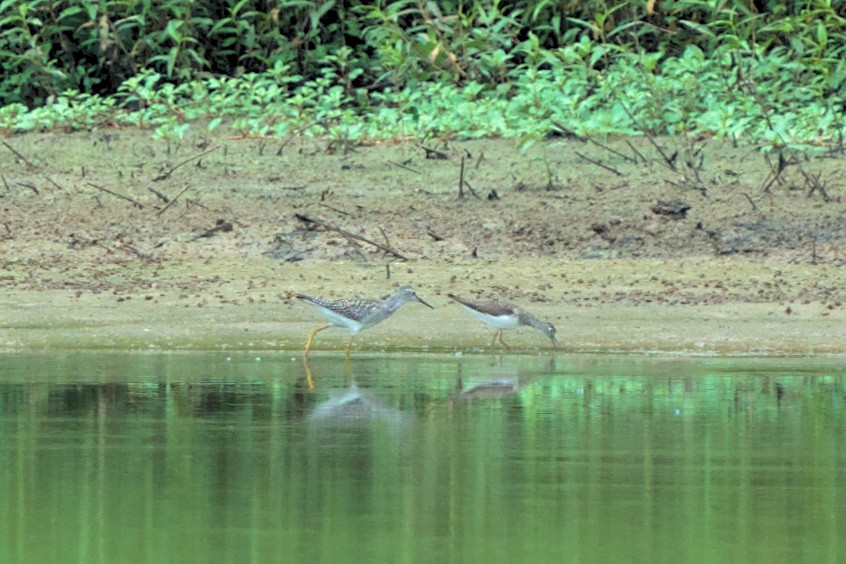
358,314
503,315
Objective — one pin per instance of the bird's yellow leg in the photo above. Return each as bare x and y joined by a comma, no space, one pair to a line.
504,344
311,338
349,348
496,334
309,379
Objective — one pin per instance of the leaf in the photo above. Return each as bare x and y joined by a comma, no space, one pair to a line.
697,27
650,7
171,59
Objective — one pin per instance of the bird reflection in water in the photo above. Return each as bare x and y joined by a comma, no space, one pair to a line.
350,406
353,405
495,386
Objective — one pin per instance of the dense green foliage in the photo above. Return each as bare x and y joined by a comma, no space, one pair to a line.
352,70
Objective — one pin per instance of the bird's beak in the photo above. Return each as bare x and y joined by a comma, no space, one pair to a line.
424,302
554,342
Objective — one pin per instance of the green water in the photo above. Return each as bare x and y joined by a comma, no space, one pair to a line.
232,458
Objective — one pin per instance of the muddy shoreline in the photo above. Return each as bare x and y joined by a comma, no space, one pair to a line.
217,268
259,314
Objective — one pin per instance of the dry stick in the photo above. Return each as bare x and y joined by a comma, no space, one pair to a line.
598,163
30,186
462,183
161,196
199,204
751,202
815,184
167,173
595,142
6,184
345,233
472,191
334,209
763,106
385,236
173,201
782,163
388,243
775,172
610,150
667,160
461,180
434,153
127,249
635,151
53,182
406,167
567,131
20,156
221,225
121,196
132,250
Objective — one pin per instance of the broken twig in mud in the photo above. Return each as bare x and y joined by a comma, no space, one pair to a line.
776,170
567,132
221,226
159,195
472,190
434,235
671,160
672,208
6,184
571,133
329,227
133,201
461,180
20,156
751,201
173,200
813,181
53,182
636,152
613,151
385,237
434,154
29,185
334,209
166,174
127,248
462,183
599,164
132,250
405,166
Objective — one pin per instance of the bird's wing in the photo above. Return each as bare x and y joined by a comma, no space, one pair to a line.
492,307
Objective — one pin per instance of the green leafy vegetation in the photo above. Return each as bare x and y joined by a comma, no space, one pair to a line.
768,72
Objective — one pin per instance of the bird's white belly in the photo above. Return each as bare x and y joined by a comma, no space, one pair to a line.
495,321
337,320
